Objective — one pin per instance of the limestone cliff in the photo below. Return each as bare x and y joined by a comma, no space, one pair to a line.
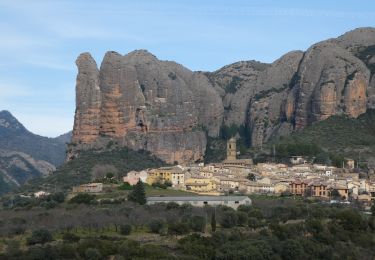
144,103
139,101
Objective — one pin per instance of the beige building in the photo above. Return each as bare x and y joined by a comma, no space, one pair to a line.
89,188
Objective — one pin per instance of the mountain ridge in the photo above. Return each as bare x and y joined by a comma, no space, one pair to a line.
163,107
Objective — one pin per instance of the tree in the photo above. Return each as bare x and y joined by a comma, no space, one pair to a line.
92,254
373,209
109,175
82,198
229,219
155,225
138,194
70,237
198,223
125,229
213,221
40,236
251,177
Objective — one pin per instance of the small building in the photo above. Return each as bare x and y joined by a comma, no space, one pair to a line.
318,189
297,160
298,187
89,188
343,191
200,184
201,201
349,163
41,194
280,187
133,177
174,175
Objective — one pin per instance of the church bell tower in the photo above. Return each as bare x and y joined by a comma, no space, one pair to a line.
231,149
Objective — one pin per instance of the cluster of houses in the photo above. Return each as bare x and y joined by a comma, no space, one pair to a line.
241,176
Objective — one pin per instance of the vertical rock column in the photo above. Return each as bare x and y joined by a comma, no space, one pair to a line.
88,101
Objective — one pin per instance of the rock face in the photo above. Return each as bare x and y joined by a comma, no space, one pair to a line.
144,103
139,101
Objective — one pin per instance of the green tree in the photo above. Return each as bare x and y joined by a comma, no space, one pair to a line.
229,219
125,229
155,225
198,223
251,177
109,175
213,221
82,198
40,236
373,209
92,254
138,194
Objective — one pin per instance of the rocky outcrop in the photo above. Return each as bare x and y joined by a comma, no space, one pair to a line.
331,82
88,100
144,103
139,101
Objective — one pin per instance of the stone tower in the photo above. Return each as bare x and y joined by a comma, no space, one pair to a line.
231,149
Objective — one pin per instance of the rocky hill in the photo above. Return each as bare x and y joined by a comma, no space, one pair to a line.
141,102
24,155
15,137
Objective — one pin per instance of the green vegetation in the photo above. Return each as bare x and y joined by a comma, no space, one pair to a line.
365,55
273,228
330,139
138,194
233,84
82,169
82,198
265,93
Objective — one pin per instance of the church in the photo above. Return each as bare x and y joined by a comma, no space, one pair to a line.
232,160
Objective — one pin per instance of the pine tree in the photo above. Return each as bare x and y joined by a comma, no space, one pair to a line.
138,194
213,221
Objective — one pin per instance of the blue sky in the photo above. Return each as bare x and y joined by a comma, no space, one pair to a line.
40,41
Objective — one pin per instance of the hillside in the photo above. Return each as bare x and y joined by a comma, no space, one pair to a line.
95,164
16,168
24,155
337,135
15,137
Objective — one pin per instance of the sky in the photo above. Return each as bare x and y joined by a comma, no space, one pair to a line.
40,41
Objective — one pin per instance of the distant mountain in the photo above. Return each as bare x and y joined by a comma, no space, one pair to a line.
65,138
24,155
15,137
16,168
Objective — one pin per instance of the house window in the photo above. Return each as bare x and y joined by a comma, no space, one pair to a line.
236,202
205,202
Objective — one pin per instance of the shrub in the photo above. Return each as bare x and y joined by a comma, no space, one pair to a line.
40,236
155,225
178,228
92,254
198,223
125,229
70,237
82,198
228,219
125,186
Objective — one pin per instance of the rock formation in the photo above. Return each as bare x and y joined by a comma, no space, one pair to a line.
144,103
139,101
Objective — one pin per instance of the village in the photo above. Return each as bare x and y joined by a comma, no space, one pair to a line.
241,177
